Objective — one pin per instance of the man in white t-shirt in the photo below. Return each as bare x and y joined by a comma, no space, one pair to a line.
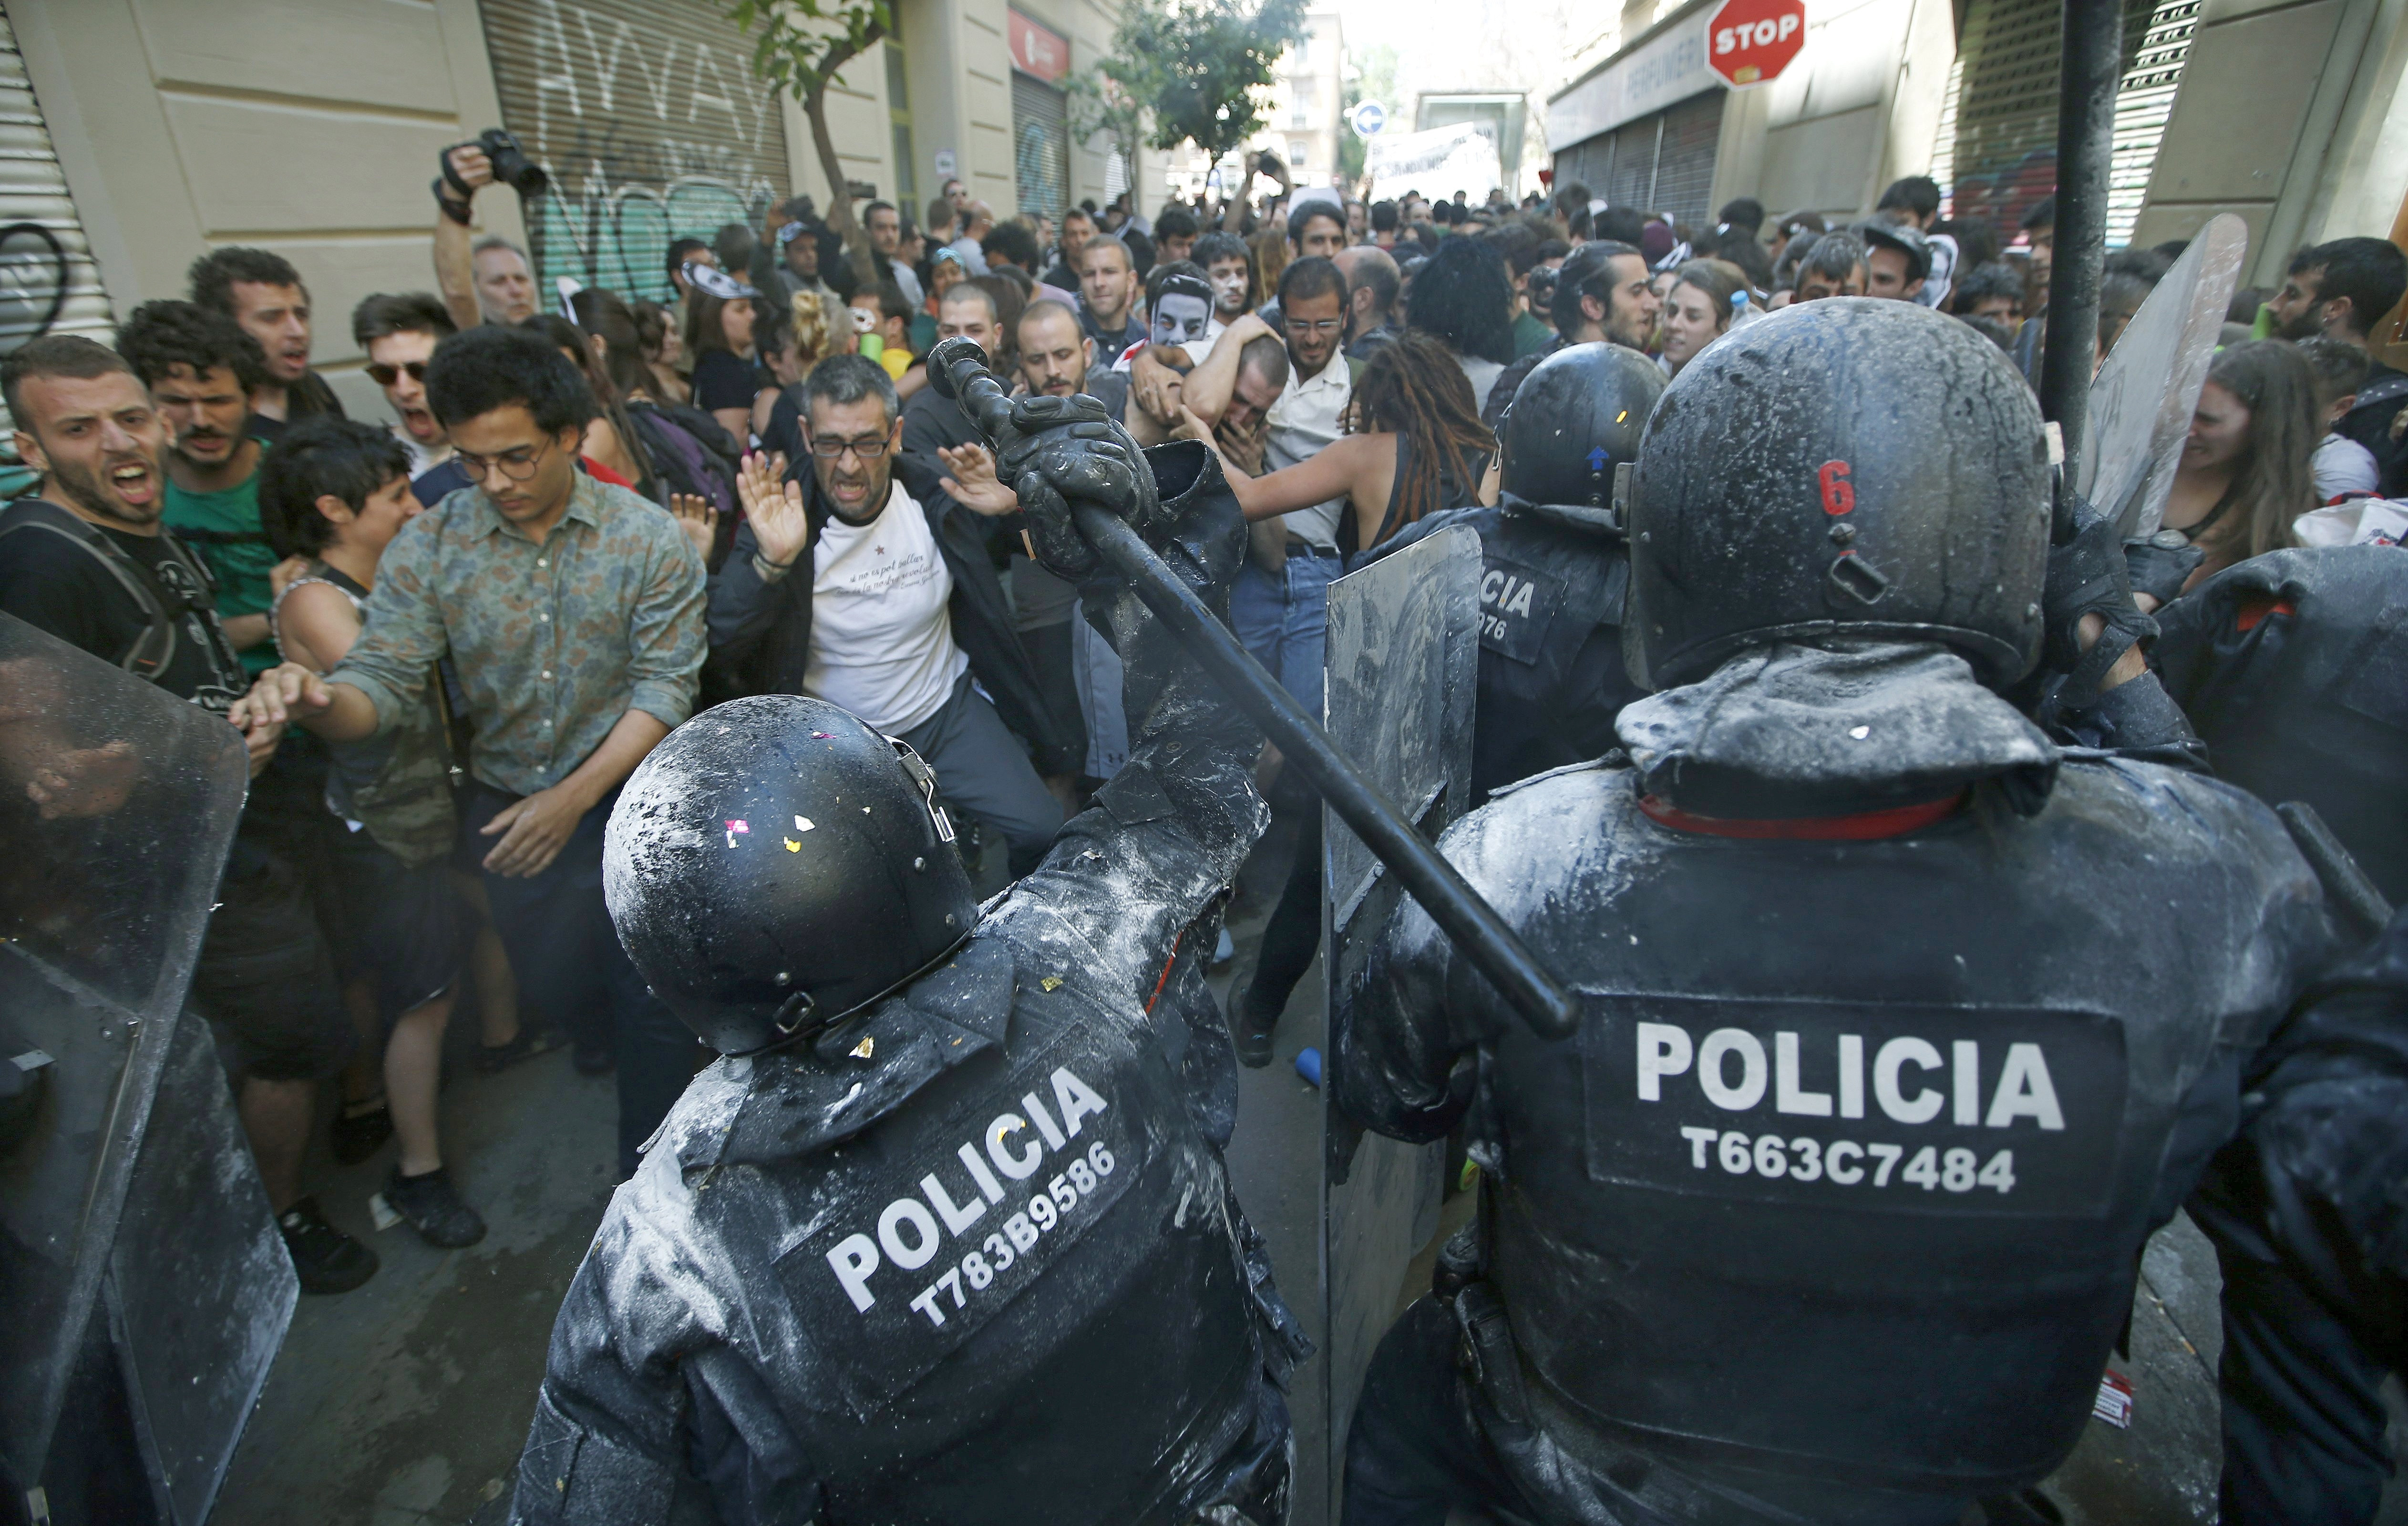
1282,614
879,618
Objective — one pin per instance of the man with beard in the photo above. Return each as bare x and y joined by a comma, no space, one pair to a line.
201,369
1602,293
1108,293
399,332
263,294
899,611
87,561
1372,287
2341,290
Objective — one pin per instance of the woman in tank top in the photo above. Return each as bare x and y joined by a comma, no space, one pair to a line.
1414,445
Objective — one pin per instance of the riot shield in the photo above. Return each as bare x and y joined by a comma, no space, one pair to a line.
1401,669
2141,399
132,1222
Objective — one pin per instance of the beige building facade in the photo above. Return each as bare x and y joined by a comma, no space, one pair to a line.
312,128
2287,112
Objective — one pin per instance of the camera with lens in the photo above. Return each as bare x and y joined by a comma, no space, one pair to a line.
512,167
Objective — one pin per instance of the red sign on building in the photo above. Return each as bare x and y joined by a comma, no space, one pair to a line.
1749,42
1039,50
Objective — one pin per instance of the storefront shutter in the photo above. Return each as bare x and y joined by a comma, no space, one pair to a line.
648,118
49,283
1041,138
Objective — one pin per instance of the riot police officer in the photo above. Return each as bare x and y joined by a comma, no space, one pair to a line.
1904,1025
2290,666
905,1253
1554,572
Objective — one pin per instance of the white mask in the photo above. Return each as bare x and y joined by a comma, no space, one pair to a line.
1180,319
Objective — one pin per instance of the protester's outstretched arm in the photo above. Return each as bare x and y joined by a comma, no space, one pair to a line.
1211,385
455,269
1339,470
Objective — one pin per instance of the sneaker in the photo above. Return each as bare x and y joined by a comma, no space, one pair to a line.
432,1208
492,1058
326,1260
1248,1030
593,1059
359,1136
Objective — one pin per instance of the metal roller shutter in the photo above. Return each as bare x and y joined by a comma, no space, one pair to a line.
647,117
1663,163
1040,139
2005,106
49,283
1684,166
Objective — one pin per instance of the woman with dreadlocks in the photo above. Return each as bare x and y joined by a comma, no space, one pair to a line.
1414,445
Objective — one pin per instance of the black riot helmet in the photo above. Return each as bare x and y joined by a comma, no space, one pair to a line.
1853,467
1577,417
775,865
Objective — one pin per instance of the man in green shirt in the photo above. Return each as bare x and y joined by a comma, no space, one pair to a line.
200,368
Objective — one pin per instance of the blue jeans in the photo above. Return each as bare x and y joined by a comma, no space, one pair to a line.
1284,621
569,961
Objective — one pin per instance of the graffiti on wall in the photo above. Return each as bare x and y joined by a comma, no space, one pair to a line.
33,278
651,124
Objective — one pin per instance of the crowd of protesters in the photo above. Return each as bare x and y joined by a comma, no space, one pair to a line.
584,521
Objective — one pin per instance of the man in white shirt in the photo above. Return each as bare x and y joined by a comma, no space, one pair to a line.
1282,614
878,617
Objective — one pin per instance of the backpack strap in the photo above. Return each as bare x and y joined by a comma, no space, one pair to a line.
151,652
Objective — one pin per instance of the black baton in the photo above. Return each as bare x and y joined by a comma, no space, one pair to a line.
957,369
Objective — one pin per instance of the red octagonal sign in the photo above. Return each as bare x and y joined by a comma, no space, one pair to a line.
1749,42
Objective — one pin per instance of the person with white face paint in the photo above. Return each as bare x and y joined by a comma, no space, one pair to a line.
1179,303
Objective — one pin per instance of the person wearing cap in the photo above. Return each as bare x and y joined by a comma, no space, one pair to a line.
720,314
1897,260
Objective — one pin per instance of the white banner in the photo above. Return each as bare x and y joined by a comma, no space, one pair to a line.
1438,163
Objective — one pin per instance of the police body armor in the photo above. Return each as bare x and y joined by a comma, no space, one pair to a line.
1556,573
1552,585
1904,1026
2294,668
1864,1242
970,1254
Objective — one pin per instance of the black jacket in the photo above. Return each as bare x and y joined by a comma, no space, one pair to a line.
761,633
974,1258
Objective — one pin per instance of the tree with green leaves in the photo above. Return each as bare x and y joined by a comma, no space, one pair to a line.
1195,64
798,46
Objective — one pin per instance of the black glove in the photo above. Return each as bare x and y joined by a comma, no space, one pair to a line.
1071,451
2086,576
2160,565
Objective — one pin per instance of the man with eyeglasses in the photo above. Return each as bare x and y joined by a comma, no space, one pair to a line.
572,611
398,331
855,591
1281,606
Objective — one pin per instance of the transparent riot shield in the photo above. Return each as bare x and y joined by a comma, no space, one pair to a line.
132,1220
2141,399
1402,664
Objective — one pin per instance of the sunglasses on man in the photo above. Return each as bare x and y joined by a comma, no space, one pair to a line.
385,375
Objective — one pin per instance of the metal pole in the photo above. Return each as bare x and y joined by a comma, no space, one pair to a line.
1468,920
2090,56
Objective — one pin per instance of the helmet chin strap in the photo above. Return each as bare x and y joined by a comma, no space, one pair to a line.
798,1019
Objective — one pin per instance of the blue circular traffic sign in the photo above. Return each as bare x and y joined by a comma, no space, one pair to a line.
1369,118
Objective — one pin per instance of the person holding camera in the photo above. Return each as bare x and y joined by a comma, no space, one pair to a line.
491,280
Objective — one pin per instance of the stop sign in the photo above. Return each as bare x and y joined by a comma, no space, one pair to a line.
1750,41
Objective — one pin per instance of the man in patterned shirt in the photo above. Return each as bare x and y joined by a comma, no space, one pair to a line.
573,614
